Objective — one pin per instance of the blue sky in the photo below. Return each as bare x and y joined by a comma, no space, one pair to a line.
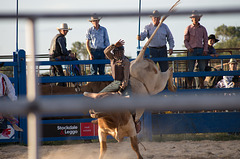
118,28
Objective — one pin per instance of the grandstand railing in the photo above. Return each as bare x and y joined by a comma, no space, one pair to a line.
86,78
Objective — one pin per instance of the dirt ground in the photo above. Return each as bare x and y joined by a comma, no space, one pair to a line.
155,150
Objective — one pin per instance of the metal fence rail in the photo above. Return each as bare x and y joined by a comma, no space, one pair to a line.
171,102
210,11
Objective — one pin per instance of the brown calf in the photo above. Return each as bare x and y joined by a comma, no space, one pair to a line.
117,124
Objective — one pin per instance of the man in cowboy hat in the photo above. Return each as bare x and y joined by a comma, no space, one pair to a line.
59,52
211,50
211,41
7,92
97,41
196,42
120,67
230,81
157,46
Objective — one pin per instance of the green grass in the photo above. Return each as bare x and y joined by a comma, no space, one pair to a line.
196,137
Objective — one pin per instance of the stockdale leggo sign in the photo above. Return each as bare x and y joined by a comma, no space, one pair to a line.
69,129
61,130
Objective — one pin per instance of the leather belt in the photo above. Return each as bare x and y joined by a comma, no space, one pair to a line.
97,49
160,47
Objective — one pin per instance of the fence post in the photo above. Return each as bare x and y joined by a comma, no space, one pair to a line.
22,91
15,73
22,73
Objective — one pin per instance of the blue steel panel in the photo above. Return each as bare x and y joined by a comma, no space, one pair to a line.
147,125
23,125
22,74
88,78
196,123
15,70
195,58
207,73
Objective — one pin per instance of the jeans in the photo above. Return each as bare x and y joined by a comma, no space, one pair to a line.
98,54
201,63
158,53
115,86
191,63
112,87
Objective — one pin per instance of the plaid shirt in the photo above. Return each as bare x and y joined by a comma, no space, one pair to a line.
196,37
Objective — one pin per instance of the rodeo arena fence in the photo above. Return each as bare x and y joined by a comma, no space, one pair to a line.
33,109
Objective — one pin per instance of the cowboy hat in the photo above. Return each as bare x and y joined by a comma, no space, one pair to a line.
212,36
232,60
155,14
195,14
94,18
64,26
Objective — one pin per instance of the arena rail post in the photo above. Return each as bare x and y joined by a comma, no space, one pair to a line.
33,117
22,73
15,73
22,92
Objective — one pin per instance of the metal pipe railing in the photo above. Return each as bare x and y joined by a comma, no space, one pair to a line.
210,11
170,102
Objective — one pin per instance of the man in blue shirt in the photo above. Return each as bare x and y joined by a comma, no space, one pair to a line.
97,41
157,46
